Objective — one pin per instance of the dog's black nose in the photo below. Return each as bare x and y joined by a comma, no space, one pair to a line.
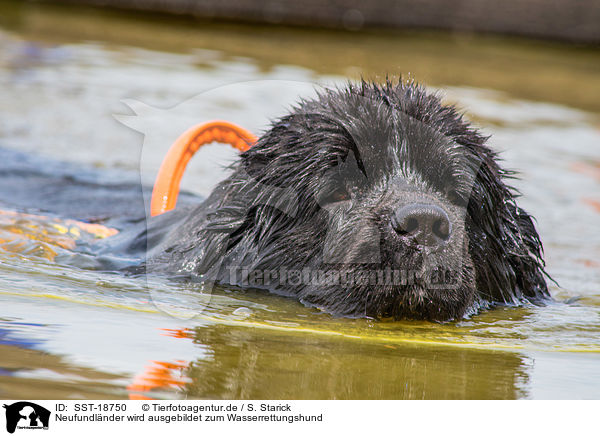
427,224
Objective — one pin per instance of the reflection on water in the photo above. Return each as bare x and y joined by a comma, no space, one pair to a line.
67,331
336,368
36,374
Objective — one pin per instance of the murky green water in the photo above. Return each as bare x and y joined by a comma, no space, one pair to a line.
67,332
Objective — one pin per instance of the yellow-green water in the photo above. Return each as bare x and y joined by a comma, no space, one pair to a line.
67,332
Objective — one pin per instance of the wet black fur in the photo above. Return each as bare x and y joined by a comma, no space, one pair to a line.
283,207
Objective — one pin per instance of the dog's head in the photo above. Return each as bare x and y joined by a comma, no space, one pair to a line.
373,201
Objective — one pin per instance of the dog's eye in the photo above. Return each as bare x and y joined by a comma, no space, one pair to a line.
334,195
455,197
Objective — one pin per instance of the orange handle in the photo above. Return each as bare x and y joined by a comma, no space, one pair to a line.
166,186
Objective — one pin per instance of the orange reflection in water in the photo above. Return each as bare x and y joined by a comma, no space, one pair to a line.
42,236
159,375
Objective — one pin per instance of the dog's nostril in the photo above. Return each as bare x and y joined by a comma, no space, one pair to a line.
441,228
411,225
428,224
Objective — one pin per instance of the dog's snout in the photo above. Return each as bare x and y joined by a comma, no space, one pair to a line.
427,224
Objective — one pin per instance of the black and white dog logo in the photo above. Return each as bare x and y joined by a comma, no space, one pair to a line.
26,415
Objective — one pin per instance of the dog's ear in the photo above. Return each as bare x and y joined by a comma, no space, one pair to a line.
507,254
276,146
254,163
306,142
526,257
504,243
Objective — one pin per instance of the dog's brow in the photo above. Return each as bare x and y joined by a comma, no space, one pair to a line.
359,161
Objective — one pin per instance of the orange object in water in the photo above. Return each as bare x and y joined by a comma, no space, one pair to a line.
156,377
166,186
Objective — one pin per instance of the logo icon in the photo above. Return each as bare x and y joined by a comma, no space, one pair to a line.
26,415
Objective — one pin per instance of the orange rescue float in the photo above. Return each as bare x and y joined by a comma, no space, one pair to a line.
166,186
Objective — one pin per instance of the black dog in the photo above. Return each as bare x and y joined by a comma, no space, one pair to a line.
371,201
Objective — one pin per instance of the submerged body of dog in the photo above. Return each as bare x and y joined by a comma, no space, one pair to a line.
367,201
